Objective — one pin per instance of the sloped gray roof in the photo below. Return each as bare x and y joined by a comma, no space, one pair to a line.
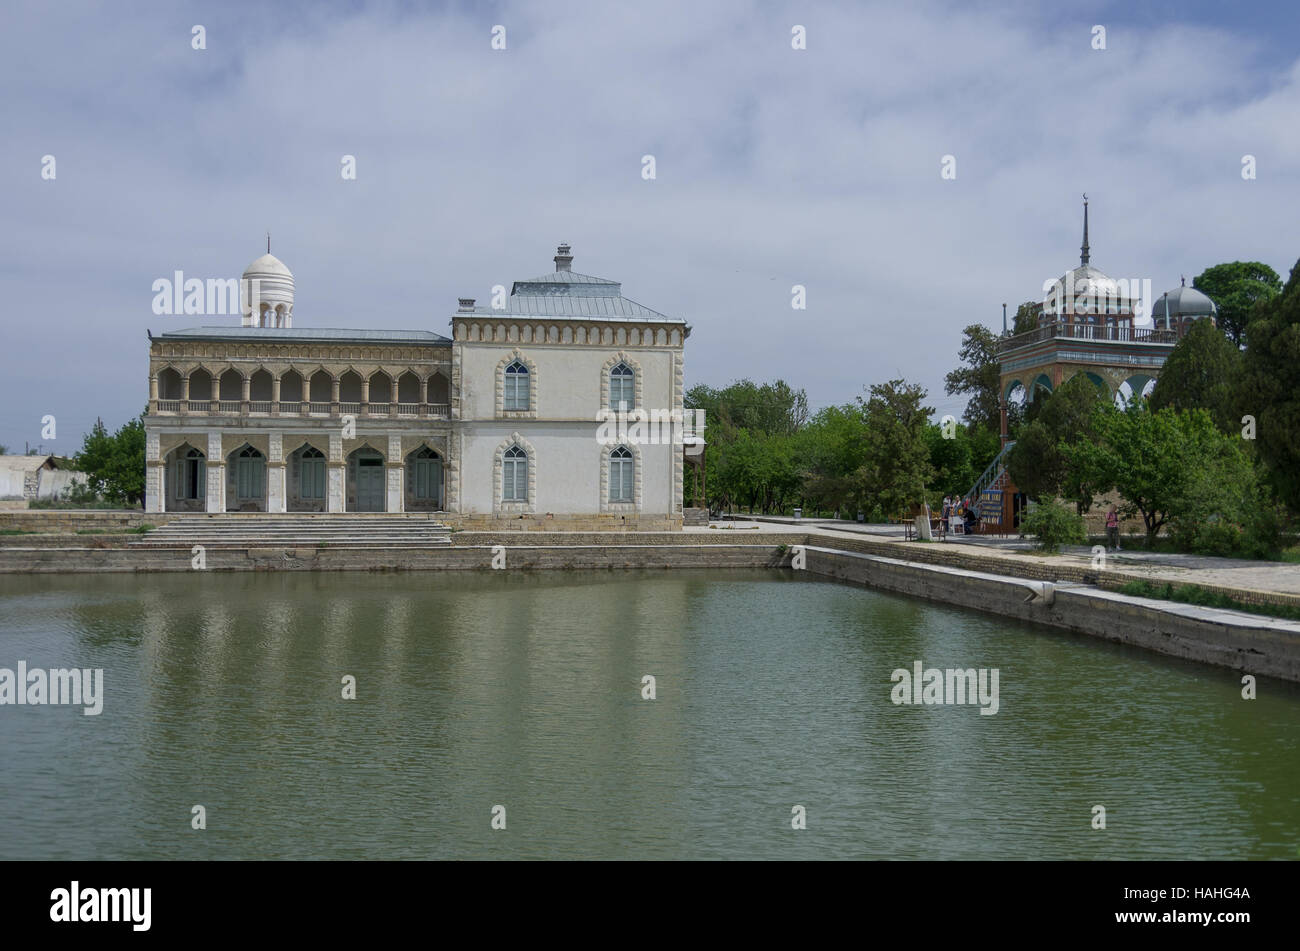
567,277
308,334
594,308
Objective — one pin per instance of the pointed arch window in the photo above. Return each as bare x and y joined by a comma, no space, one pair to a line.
191,472
250,473
622,388
514,475
516,387
311,474
622,475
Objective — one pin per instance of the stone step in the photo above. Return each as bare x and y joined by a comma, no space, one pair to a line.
333,530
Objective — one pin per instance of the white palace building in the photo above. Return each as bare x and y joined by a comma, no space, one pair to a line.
501,424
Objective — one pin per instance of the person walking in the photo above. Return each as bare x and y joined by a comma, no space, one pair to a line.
1112,527
947,512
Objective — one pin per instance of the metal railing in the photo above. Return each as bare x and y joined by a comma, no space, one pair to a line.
990,475
298,408
1088,331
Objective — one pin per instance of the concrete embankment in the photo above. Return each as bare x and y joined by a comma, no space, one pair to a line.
1246,642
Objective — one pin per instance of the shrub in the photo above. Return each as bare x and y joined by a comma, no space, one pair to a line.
1053,525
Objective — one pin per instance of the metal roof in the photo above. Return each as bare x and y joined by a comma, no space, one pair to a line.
592,308
307,334
566,277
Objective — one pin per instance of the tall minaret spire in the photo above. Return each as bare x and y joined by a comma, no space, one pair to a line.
1083,255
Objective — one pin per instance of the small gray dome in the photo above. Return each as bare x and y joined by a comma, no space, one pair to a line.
1184,302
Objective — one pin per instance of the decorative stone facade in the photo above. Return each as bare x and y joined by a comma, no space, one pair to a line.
276,418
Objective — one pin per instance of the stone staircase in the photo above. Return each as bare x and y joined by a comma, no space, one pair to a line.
298,531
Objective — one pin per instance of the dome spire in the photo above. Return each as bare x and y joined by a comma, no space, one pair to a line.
1083,251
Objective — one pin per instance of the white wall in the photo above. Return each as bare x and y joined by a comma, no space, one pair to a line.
568,465
568,384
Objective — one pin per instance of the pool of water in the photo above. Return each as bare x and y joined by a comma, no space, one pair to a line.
478,690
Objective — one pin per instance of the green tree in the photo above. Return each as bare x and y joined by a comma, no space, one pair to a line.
980,377
1150,458
1200,374
897,469
950,458
1269,388
832,450
114,464
1026,318
1237,288
1039,462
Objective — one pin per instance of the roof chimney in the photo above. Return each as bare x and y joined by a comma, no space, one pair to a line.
466,305
563,259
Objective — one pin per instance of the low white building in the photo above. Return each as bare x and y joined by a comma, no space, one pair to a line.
505,421
36,477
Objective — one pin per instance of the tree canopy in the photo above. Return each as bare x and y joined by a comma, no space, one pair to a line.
1269,387
1236,289
1200,373
979,377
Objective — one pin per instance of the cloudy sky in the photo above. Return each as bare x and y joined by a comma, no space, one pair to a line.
774,167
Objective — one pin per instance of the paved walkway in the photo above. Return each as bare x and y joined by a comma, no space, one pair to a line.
1273,576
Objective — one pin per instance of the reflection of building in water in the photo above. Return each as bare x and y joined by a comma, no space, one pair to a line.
497,420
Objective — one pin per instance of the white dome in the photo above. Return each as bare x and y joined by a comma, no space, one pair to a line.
269,281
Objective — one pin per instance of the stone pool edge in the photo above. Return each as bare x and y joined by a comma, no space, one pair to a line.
1058,596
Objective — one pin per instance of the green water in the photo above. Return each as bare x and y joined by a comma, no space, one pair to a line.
524,690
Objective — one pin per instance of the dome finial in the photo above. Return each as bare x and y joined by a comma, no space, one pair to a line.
268,242
1084,253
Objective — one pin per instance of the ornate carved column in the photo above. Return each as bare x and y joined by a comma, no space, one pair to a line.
336,471
216,469
394,472
276,496
154,481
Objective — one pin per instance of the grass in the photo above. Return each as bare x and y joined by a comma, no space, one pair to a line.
1165,546
16,531
1195,594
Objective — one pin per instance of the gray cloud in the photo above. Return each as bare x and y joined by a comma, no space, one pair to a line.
775,168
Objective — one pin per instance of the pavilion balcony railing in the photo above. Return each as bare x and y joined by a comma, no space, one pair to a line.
198,406
350,409
259,406
378,409
440,410
408,410
228,406
318,409
290,407
169,406
1088,331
